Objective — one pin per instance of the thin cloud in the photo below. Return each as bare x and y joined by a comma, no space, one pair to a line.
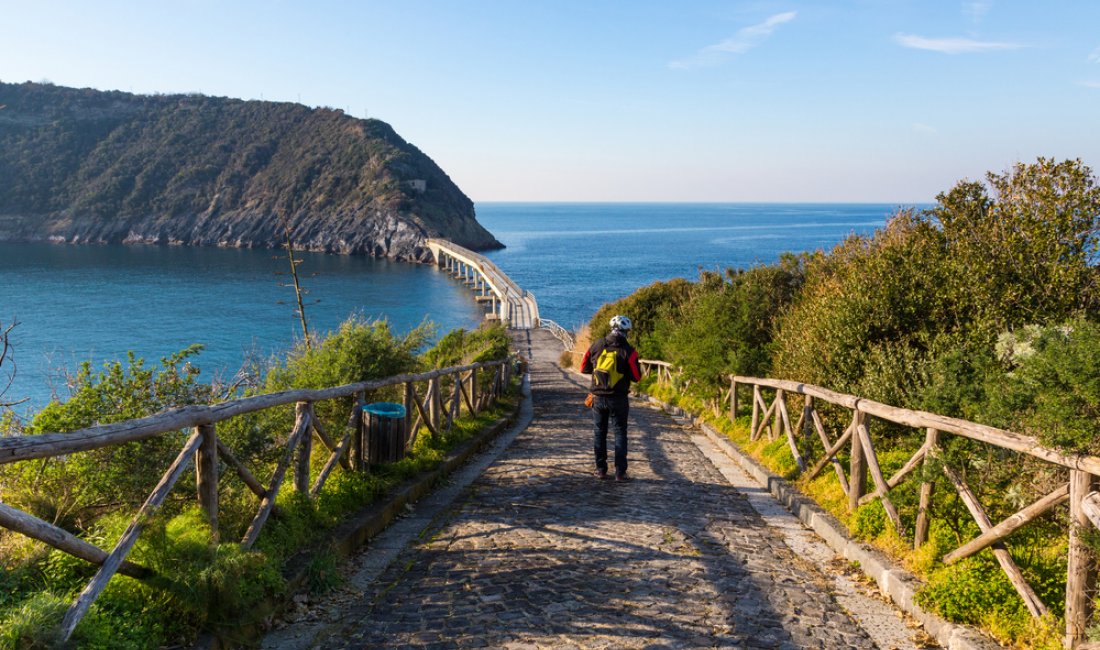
745,39
977,10
1095,56
951,45
924,128
1089,84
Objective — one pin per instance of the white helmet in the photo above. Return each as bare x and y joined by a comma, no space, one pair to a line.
621,323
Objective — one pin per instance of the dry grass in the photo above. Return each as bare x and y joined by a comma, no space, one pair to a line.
582,340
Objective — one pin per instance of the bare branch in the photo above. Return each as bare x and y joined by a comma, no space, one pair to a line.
7,356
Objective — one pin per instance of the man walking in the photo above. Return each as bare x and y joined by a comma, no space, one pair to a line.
613,364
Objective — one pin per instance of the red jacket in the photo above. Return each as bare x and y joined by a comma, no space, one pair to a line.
626,360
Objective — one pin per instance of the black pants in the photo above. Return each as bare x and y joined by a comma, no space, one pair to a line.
612,409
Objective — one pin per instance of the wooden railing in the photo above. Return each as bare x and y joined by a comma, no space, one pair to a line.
432,406
662,369
1079,489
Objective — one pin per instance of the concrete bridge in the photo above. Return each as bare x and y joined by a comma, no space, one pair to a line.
526,549
513,306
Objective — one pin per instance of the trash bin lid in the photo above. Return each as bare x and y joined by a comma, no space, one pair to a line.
385,409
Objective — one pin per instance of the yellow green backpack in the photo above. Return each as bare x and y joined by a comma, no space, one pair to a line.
605,373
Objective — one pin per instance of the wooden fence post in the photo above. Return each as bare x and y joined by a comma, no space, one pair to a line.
302,411
733,400
777,423
756,399
206,476
473,391
435,402
857,471
931,443
410,411
1081,573
356,424
807,423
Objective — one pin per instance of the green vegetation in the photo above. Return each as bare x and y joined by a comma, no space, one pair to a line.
985,307
104,166
199,585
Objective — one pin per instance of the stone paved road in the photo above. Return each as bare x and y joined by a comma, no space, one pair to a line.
541,554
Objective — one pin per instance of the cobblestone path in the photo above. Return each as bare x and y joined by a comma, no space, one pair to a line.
539,553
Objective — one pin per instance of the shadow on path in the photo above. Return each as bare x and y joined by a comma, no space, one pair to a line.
540,553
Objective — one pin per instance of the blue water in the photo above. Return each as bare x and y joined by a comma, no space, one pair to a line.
575,257
78,303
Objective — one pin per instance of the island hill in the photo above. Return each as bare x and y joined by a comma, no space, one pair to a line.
86,166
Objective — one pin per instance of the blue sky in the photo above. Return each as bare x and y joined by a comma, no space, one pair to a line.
561,100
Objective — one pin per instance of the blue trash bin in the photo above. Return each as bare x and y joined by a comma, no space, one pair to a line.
384,432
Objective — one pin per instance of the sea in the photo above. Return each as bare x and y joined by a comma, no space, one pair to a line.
72,304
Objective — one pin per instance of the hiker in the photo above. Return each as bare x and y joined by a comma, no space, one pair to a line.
613,364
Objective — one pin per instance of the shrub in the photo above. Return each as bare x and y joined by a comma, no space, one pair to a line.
725,326
460,347
1052,385
71,490
649,308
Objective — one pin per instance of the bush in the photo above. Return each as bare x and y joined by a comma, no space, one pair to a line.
199,584
725,326
359,350
650,309
460,347
1052,385
72,490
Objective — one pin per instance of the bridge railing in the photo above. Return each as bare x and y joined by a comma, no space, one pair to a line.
1077,486
432,399
522,308
559,332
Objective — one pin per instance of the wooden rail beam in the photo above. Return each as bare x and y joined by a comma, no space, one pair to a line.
227,455
301,428
1030,598
881,488
129,538
1009,525
900,475
33,527
791,442
303,410
44,445
830,451
923,420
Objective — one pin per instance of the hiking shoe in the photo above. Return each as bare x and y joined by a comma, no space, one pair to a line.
601,474
622,477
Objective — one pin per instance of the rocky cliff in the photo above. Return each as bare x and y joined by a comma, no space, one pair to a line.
86,166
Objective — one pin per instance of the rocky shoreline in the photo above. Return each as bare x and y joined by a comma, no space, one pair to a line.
379,235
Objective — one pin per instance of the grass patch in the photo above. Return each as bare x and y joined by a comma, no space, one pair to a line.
217,588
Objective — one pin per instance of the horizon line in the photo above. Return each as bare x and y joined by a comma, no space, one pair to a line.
691,202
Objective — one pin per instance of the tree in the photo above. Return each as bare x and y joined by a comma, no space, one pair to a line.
1024,253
